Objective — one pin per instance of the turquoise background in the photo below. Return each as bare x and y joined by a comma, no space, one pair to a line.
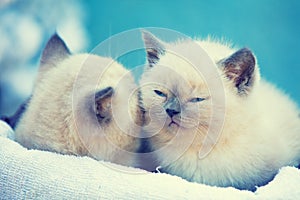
270,28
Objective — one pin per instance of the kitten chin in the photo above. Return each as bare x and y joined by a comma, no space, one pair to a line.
243,134
80,106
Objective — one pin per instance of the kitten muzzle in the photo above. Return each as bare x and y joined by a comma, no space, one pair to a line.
172,107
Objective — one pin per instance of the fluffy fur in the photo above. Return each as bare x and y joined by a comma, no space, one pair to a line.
261,128
82,105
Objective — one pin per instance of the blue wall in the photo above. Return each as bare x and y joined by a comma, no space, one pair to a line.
269,27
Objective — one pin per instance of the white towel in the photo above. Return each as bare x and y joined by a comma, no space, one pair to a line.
33,174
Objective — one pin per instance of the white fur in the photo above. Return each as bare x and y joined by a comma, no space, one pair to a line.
260,134
59,117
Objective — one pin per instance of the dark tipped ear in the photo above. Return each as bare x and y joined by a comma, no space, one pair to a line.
55,51
154,48
103,104
240,69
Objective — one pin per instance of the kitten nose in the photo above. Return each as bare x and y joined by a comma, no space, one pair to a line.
172,112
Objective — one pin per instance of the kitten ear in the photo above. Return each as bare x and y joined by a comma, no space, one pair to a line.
240,69
103,104
55,51
154,48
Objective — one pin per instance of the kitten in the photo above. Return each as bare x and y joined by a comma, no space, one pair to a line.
81,105
237,133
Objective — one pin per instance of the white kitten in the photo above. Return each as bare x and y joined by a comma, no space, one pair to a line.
83,105
253,128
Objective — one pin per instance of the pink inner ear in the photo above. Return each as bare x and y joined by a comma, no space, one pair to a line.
240,68
232,71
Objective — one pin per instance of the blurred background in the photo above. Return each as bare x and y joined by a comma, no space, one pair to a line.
269,27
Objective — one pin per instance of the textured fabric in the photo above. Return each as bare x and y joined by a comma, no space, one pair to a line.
6,130
32,174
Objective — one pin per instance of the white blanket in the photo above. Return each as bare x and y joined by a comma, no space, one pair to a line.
33,174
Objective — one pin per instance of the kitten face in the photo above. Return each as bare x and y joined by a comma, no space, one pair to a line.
174,101
184,102
174,77
82,104
171,79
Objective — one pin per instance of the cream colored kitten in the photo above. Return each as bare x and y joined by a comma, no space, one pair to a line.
222,125
82,105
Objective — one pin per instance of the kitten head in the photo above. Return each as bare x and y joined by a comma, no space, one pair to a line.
182,91
82,104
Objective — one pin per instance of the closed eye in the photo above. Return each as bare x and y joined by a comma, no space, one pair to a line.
160,93
197,99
